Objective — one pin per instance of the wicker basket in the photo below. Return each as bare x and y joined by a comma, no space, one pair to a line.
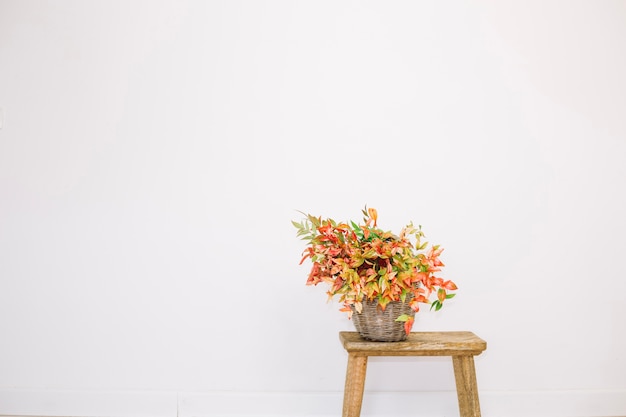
375,324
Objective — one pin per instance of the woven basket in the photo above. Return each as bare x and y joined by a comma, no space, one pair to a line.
377,325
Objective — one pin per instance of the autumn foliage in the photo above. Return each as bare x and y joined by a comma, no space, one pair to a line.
361,261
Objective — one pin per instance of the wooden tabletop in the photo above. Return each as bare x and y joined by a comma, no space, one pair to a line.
417,344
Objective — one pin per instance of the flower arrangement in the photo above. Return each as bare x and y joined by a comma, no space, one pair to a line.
362,262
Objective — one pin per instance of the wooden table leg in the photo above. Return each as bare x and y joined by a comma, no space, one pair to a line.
466,388
355,383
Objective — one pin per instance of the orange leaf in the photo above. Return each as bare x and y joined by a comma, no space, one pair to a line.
408,325
449,285
373,214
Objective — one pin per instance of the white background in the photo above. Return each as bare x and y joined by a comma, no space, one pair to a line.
154,153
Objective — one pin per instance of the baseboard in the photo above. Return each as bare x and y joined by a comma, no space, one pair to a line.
600,403
54,403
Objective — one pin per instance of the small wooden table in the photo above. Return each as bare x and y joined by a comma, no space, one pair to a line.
461,346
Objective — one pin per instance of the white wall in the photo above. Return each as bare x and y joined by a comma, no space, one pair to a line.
153,154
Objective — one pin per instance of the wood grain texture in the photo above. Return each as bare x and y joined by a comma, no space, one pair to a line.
461,346
417,344
466,387
355,383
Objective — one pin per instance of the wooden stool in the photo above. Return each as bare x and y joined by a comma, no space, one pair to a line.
462,346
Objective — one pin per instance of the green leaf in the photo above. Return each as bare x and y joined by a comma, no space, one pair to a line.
450,296
315,221
403,318
382,283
